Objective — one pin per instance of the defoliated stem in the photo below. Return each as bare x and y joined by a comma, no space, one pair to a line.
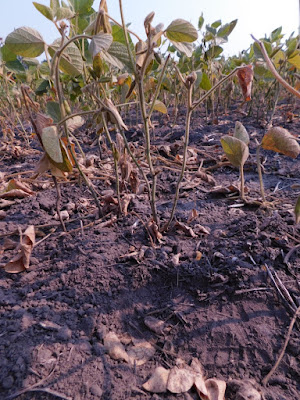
185,149
261,182
242,182
126,37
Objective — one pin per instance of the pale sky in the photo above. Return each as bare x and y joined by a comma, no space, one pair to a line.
257,17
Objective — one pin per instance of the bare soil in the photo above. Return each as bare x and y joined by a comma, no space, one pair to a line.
221,309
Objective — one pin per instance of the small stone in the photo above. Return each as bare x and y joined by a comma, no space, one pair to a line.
64,333
96,390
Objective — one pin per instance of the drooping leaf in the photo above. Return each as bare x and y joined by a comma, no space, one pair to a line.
159,106
205,83
50,139
226,29
240,132
117,55
245,76
236,151
100,42
46,11
25,42
64,13
180,30
183,47
71,61
42,86
282,141
53,110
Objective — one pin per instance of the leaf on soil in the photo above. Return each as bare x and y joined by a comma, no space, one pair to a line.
240,132
297,211
245,76
201,229
16,189
186,229
282,141
156,325
125,201
206,177
140,353
235,149
215,390
175,259
199,377
193,214
114,347
180,380
21,260
153,230
158,381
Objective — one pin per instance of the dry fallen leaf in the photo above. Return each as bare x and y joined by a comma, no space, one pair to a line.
140,353
21,260
114,347
153,230
199,377
16,189
158,381
186,229
154,324
180,380
193,214
215,390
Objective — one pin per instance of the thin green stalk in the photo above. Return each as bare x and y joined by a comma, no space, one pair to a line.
184,161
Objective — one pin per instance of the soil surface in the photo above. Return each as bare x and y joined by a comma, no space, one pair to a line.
210,287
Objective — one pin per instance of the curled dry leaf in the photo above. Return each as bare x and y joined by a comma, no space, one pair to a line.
140,353
125,201
245,76
114,347
192,215
199,379
21,260
158,381
186,229
16,189
180,380
215,390
154,324
206,177
201,229
282,141
153,230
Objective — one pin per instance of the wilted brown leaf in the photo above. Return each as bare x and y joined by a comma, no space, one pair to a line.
206,177
215,390
153,230
125,201
158,381
141,352
282,141
21,260
186,229
16,189
245,76
192,215
154,324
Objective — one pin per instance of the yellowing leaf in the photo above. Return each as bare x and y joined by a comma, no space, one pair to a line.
25,42
159,106
180,30
282,141
236,151
295,61
50,139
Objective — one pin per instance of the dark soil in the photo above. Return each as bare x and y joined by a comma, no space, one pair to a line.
222,309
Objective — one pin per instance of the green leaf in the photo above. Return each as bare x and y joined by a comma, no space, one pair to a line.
226,29
181,31
200,21
71,61
297,211
276,34
240,132
183,47
100,42
159,106
15,66
6,54
64,13
257,51
282,141
199,78
216,24
117,55
236,151
42,86
291,46
51,143
25,42
53,110
295,60
46,11
205,83
82,6
214,52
